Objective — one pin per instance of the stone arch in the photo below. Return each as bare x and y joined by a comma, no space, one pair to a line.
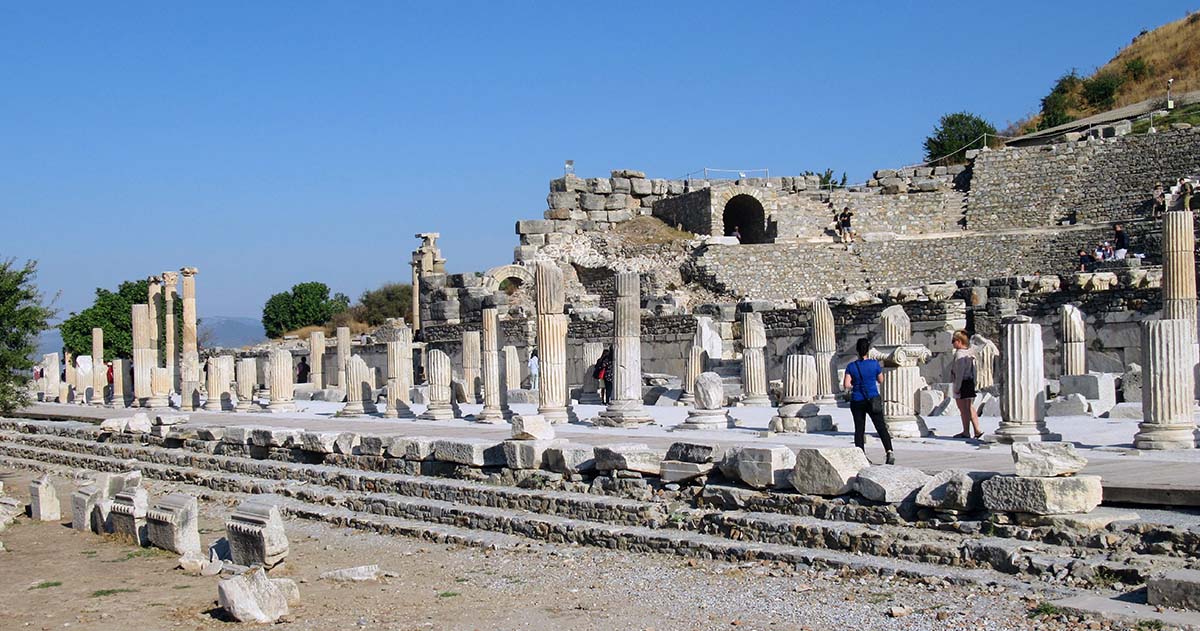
745,214
495,277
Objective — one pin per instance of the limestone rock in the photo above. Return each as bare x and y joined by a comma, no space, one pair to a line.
1126,411
889,483
525,454
954,489
709,391
347,443
827,470
412,448
43,500
358,574
698,453
1177,588
531,427
1042,496
569,459
139,424
319,442
255,534
1047,459
253,597
760,467
678,471
628,457
475,452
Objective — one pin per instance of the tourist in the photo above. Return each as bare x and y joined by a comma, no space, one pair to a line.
1121,239
1186,190
1085,260
604,375
862,380
302,371
533,370
1160,200
962,376
737,233
844,225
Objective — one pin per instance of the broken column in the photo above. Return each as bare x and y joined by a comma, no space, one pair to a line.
170,281
172,524
246,379
282,384
153,300
70,386
52,376
343,356
189,366
1179,267
797,410
256,536
220,375
160,388
511,370
1167,386
625,403
986,354
824,345
416,290
143,354
495,400
754,359
1072,337
360,388
471,365
316,359
901,374
122,387
440,407
708,410
1023,391
552,343
399,358
589,392
43,500
697,363
99,370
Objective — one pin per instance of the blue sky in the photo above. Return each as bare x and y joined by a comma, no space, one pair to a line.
270,143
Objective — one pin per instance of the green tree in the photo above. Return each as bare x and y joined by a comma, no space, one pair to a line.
392,300
1100,90
954,135
306,304
22,318
827,179
1063,98
113,312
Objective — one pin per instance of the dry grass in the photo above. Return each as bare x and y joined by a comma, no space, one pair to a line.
330,329
644,230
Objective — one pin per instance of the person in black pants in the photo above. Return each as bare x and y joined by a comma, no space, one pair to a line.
862,380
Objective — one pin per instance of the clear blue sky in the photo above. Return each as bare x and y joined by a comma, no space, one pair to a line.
270,143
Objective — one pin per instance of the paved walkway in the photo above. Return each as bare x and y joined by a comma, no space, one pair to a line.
1170,478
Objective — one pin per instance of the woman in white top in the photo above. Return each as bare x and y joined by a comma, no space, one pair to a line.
962,374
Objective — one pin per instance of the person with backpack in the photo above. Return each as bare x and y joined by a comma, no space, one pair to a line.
603,372
862,380
962,375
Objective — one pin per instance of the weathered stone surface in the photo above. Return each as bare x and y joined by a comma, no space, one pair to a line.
83,503
172,524
171,419
253,597
347,443
372,445
127,515
358,574
628,457
412,448
827,470
709,391
1042,496
43,500
762,467
274,436
256,536
890,483
569,459
526,454
531,427
698,453
954,489
319,442
1177,588
475,452
1131,411
679,471
1068,405
1047,459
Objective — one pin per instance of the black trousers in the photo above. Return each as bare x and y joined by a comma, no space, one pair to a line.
860,410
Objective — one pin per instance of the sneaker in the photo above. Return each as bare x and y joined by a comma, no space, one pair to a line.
891,458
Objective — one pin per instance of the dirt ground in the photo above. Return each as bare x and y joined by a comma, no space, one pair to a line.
52,577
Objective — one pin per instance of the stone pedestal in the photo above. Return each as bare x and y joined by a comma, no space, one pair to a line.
901,374
316,359
495,403
246,378
1167,386
552,344
797,410
360,388
824,345
256,535
189,364
590,391
51,377
708,410
440,407
472,363
399,353
754,360
172,524
343,356
625,405
143,354
282,383
1023,396
99,370
160,388
697,363
1072,335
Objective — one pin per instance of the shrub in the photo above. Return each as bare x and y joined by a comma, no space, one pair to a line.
1137,68
1100,90
954,135
1056,106
305,305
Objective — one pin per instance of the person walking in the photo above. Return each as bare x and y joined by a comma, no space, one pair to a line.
962,375
844,220
604,375
302,371
862,380
533,365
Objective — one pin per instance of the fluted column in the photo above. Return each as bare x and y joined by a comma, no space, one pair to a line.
1168,383
399,355
52,377
1179,267
625,404
1023,396
986,354
283,383
160,388
170,356
143,354
824,345
589,391
316,359
512,369
440,407
153,301
245,379
416,291
471,364
895,326
189,366
754,360
99,370
360,388
495,408
799,378
697,363
552,343
1073,337
122,388
220,375
343,356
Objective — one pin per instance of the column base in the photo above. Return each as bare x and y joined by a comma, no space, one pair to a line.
558,415
1011,433
687,398
438,412
590,398
705,420
493,415
1160,437
756,400
623,414
394,412
906,426
803,424
279,407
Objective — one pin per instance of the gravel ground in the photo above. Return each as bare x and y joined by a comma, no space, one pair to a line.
55,578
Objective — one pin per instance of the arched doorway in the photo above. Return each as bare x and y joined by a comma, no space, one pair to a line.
745,214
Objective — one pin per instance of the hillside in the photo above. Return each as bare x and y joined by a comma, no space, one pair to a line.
1138,72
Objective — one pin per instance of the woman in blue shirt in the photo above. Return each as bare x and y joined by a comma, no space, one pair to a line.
862,380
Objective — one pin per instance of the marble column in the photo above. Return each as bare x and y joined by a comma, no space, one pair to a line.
170,357
1073,337
495,404
552,343
154,299
343,356
1179,266
218,379
189,365
399,373
708,410
122,388
282,382
440,407
895,327
901,374
1168,384
51,368
143,354
625,408
316,359
99,370
246,379
1023,395
360,388
471,364
416,291
824,346
160,388
754,360
512,369
986,354
697,363
72,378
589,392
797,410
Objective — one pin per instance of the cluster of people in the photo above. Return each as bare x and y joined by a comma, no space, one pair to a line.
1159,195
1115,250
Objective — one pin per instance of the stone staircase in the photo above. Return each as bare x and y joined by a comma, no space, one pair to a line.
498,507
731,377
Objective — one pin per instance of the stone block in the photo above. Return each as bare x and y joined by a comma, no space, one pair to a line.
1131,383
1042,496
372,445
414,448
526,454
616,201
237,434
563,199
43,500
890,483
127,515
569,459
83,503
568,182
1099,386
535,226
678,471
928,401
762,467
171,419
599,185
620,184
252,597
172,524
698,453
1068,405
210,432
628,457
640,187
954,489
1047,459
347,443
827,470
531,427
360,574
255,534
475,452
274,436
1126,411
592,202
629,173
527,397
1177,588
319,442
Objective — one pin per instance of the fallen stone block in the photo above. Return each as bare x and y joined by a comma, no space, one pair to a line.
127,515
890,483
412,448
1068,405
1177,588
172,524
628,457
274,436
954,489
1126,411
525,454
531,427
698,453
256,536
1099,386
83,504
43,500
1042,496
679,471
762,467
358,574
1046,459
253,597
569,459
171,419
319,442
475,452
827,470
928,401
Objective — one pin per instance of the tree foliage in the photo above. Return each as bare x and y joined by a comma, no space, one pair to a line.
392,300
1063,98
22,318
954,135
113,312
1100,90
306,304
827,179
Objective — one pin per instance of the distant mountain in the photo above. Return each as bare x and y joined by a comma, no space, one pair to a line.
50,341
231,332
